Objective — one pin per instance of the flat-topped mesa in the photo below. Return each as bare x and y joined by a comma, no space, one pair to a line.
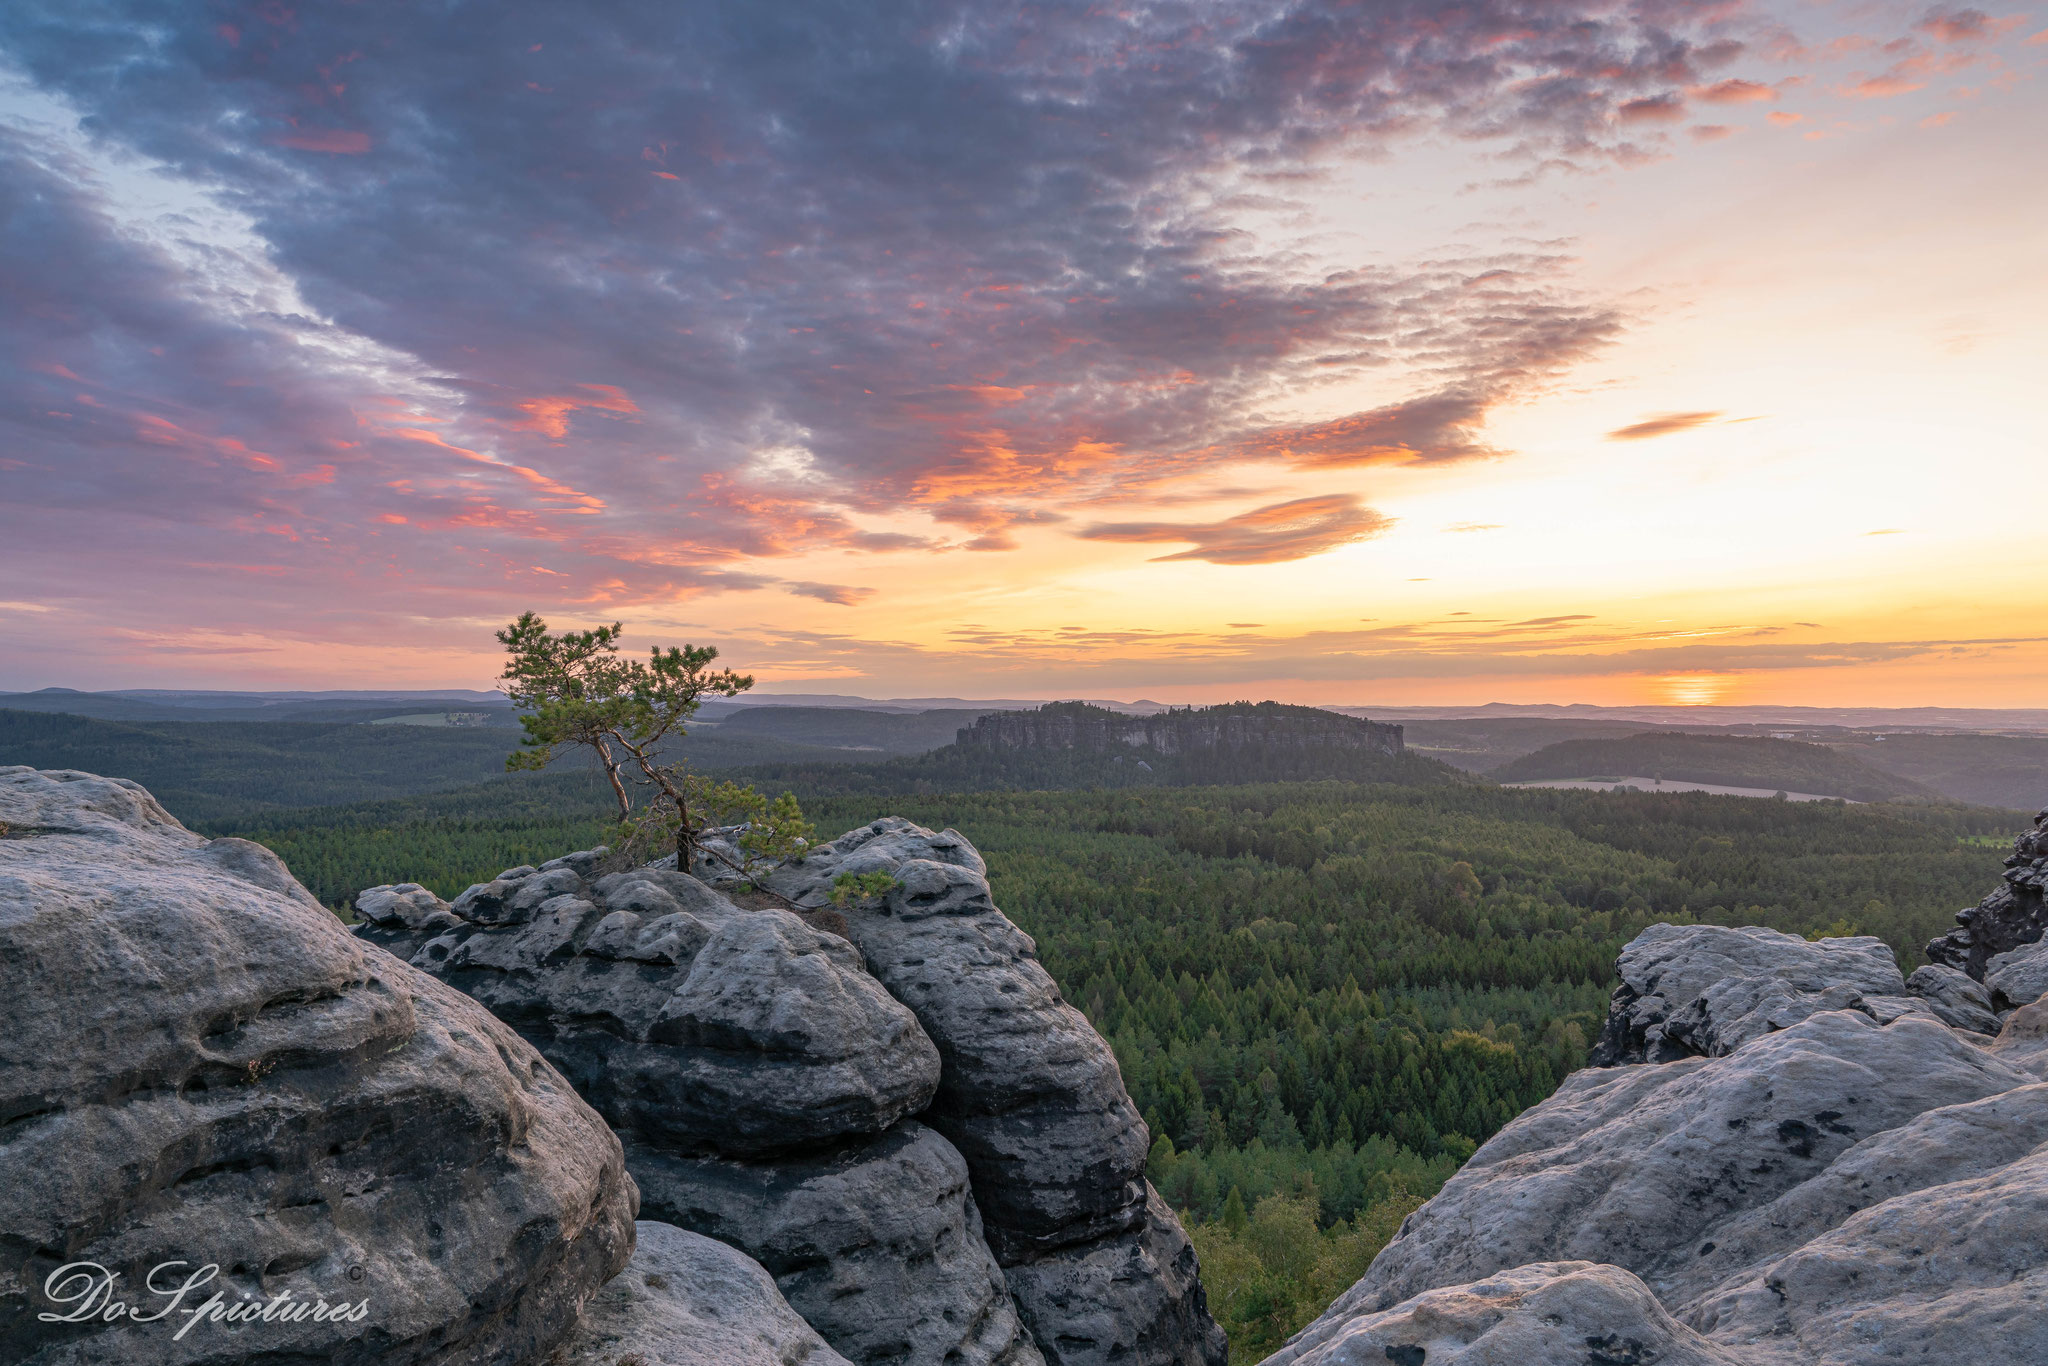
1236,725
204,1066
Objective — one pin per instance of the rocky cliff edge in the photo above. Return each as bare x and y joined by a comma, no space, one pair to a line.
1793,1156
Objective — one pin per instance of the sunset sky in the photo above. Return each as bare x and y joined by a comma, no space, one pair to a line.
1512,350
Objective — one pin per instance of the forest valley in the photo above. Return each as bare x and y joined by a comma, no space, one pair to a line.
1323,995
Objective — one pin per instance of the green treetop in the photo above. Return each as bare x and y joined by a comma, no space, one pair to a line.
573,689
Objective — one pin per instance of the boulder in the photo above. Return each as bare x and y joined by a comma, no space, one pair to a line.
876,1242
1643,1167
1543,1314
687,1300
407,910
692,1025
1135,1297
1705,990
2017,977
204,1067
1955,997
2013,915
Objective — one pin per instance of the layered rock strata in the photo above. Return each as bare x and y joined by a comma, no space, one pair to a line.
747,1061
203,1067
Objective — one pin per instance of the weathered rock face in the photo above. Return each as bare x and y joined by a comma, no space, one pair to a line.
1954,997
1705,990
691,1025
876,1243
1641,1166
1840,1190
2015,914
1029,1093
2017,977
759,1076
1134,1297
723,1044
1030,1096
1544,1314
202,1065
688,1300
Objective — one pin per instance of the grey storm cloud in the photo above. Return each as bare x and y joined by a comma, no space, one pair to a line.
564,273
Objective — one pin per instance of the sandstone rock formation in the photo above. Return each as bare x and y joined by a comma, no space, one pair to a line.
1030,1095
2017,977
1816,1178
688,1300
203,1066
1029,1092
740,1054
689,1023
2015,914
764,1074
1706,990
1954,997
1543,1314
876,1243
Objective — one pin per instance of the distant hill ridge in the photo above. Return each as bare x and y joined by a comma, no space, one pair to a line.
1732,760
1234,725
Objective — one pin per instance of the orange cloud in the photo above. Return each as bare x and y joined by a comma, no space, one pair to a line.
1653,109
1783,119
1663,424
1734,92
583,502
1292,530
549,413
1433,429
1963,26
1890,84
